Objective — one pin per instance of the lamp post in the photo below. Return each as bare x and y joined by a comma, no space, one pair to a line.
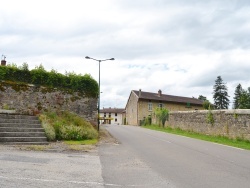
99,96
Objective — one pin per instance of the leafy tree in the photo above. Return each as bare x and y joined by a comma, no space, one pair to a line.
207,105
220,94
203,98
162,114
237,95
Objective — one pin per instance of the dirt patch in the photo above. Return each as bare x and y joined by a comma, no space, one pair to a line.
106,138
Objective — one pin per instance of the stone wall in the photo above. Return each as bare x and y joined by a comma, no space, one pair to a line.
30,99
231,123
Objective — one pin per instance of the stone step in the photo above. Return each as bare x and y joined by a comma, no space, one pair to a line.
18,116
22,134
20,125
25,143
23,139
19,121
21,130
17,129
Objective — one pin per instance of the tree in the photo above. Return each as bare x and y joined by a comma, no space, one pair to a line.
203,98
244,101
220,96
207,105
162,114
237,95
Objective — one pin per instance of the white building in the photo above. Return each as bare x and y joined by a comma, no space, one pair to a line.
112,115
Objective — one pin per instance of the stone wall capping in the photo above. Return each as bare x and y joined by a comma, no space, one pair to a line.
2,111
238,111
200,111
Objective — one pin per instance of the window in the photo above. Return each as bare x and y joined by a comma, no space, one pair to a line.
149,106
110,115
104,115
115,120
115,114
160,105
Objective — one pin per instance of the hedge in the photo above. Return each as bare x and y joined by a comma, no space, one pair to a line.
39,76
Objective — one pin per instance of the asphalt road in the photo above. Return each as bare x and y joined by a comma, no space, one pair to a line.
145,158
32,169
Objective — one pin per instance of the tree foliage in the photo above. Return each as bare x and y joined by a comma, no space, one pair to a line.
162,115
203,98
220,94
237,95
39,76
207,105
244,101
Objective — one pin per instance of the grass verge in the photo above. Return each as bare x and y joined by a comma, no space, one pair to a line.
239,143
81,142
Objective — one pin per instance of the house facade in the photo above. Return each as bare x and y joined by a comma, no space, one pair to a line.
142,104
112,115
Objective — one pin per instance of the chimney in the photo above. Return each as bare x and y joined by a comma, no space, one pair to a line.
159,93
3,61
139,93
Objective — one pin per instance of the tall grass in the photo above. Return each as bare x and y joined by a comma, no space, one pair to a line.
64,125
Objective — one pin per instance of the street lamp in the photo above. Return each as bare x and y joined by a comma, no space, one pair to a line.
87,57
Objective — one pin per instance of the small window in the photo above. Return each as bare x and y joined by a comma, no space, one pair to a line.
109,115
160,105
115,120
104,115
149,106
115,114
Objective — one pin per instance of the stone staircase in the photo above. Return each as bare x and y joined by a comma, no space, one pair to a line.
21,130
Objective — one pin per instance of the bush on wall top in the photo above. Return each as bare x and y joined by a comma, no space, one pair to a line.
39,76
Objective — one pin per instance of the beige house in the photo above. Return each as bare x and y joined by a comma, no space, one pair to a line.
142,104
112,115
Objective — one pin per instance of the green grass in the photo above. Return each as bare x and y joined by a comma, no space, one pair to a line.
239,143
81,142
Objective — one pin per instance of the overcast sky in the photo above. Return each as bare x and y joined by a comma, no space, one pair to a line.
178,46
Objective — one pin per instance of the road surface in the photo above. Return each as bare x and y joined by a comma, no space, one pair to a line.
34,169
146,158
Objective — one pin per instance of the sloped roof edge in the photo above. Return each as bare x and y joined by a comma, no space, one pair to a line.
167,98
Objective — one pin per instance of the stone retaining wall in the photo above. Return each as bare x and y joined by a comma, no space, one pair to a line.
231,123
30,99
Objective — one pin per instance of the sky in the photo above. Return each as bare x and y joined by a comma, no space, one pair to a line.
178,46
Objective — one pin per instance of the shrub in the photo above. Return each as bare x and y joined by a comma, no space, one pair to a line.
162,115
49,131
68,126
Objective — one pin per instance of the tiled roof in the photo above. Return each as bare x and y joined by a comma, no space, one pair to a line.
167,98
112,110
